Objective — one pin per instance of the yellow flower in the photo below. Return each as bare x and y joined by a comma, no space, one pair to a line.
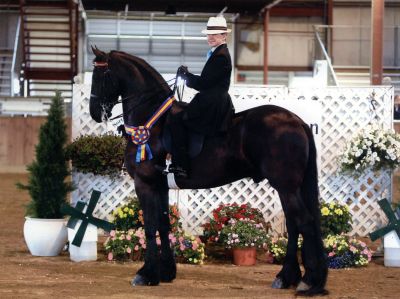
325,211
126,209
339,211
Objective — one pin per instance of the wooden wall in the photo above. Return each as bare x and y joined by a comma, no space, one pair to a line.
18,137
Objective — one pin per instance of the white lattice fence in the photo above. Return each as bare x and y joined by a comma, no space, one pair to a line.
344,112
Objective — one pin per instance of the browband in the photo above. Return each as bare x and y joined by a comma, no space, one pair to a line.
100,64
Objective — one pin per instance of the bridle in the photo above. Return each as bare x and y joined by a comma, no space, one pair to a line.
145,94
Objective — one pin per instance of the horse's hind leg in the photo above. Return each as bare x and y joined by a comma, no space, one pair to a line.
290,274
149,199
303,221
168,265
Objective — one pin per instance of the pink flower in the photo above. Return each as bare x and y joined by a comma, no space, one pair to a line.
353,249
141,241
136,248
158,241
144,246
195,245
182,247
331,253
181,239
110,256
128,250
112,233
128,237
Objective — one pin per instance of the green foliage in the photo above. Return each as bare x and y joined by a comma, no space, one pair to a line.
100,155
335,218
47,184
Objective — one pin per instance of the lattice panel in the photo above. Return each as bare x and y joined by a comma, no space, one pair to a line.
344,112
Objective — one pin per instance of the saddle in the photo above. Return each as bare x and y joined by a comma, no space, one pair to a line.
195,141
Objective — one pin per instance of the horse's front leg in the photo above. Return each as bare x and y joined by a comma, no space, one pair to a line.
168,265
149,199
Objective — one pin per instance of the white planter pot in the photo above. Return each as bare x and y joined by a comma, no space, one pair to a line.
45,237
88,249
391,244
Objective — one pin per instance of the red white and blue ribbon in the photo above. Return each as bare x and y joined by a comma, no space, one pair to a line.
140,135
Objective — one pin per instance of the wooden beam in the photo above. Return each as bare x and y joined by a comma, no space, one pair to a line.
266,44
377,12
297,12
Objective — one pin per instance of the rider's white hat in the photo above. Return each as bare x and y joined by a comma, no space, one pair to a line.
216,25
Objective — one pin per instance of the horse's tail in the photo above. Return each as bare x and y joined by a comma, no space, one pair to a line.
310,195
309,188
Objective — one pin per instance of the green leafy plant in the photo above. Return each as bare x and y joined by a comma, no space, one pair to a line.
335,218
47,185
373,148
100,155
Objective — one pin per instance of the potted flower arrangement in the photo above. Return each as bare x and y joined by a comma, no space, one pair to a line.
128,241
335,218
373,148
44,229
226,212
243,236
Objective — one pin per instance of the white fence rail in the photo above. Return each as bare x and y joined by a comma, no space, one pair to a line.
344,112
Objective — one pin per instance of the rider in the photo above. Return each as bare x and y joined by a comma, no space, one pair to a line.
210,111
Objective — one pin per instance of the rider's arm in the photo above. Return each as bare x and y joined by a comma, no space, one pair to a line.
220,69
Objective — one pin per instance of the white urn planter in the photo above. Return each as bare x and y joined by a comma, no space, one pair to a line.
45,237
88,249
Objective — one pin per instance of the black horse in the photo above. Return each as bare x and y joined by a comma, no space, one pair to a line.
266,142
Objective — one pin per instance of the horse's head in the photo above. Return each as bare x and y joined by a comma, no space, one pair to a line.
105,91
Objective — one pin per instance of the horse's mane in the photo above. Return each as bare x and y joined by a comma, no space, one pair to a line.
144,68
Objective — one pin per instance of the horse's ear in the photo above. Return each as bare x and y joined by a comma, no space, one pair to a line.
97,52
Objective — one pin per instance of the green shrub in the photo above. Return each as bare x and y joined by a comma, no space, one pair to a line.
47,184
100,155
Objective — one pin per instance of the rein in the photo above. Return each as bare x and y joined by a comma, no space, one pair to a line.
142,99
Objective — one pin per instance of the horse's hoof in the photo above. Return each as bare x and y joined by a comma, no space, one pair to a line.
138,280
277,283
302,287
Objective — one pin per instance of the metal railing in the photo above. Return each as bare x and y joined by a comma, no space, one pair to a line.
326,56
14,58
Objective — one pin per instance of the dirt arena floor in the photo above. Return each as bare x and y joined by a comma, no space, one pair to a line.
25,276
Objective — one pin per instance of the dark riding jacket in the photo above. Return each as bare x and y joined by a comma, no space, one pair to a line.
211,109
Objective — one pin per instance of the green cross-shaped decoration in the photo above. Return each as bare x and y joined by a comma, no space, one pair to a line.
394,223
77,214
